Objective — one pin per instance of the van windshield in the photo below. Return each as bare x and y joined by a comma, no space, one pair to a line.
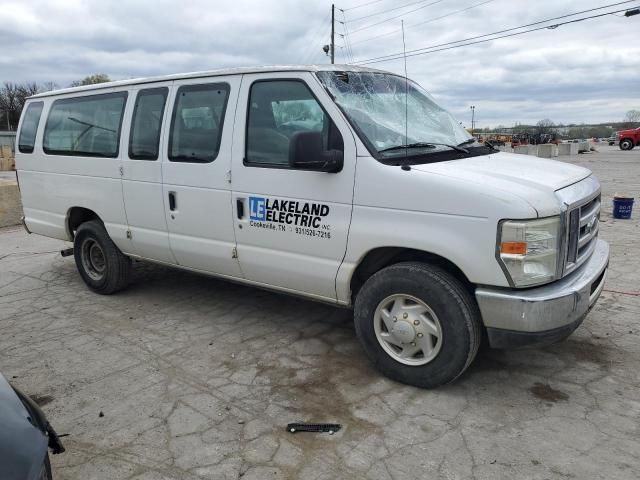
375,105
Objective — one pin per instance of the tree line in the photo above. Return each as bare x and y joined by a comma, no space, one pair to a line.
548,127
13,96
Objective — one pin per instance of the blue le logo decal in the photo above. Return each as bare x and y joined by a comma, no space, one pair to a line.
257,209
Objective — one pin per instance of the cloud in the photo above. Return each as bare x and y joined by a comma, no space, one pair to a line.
582,72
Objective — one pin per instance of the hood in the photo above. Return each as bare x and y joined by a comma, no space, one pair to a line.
533,179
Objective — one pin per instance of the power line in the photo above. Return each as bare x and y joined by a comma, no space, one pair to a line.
397,16
398,56
361,5
506,30
341,49
346,48
550,27
387,10
314,50
422,23
347,40
511,29
309,50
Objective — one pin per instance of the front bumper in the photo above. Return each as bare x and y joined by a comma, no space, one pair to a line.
547,314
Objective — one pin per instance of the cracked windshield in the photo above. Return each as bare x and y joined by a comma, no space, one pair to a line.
375,104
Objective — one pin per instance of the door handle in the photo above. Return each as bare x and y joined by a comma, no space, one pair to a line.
240,207
172,201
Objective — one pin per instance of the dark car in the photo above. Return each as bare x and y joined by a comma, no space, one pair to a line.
25,437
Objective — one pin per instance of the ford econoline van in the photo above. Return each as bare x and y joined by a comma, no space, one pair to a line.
342,184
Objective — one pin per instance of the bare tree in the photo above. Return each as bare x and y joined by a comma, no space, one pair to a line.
49,86
25,91
10,104
13,97
91,80
631,118
544,126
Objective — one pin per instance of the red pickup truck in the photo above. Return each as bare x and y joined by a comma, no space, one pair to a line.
627,139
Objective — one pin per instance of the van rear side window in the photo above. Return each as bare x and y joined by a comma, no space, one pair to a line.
30,127
85,126
146,123
196,125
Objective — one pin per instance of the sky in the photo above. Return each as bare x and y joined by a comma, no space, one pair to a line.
583,72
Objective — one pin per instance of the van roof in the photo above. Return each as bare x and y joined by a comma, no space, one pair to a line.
210,73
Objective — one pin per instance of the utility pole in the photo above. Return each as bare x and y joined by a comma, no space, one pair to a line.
473,114
333,33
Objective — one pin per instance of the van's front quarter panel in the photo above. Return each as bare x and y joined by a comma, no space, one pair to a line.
436,214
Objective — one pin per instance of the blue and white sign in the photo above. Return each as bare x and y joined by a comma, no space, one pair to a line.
257,209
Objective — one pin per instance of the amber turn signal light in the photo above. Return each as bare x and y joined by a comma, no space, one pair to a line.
514,248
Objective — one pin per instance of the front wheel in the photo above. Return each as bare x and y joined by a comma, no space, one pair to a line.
102,266
417,324
626,144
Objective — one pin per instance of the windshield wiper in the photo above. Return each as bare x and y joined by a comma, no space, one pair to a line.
467,142
424,145
90,125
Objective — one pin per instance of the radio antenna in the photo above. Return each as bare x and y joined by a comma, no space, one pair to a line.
406,101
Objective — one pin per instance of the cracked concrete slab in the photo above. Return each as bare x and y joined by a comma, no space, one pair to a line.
197,378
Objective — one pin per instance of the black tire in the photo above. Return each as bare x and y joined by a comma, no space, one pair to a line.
102,266
454,306
626,144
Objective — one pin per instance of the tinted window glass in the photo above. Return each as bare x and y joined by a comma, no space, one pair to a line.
278,109
196,124
146,122
30,127
85,126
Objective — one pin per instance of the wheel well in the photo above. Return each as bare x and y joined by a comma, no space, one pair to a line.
77,216
379,258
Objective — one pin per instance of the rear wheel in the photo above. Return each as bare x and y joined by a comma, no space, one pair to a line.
417,324
626,144
102,266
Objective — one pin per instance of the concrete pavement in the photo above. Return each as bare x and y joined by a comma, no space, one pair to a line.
187,377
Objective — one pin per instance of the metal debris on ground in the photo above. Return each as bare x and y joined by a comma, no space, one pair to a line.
330,428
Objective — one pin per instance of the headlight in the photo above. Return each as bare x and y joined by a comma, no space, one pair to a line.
528,250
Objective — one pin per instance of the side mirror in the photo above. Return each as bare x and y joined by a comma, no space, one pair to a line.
306,152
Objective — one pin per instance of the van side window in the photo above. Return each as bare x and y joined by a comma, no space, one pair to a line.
27,138
278,109
196,124
85,126
144,139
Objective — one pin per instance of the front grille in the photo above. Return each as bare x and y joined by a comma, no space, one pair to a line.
583,225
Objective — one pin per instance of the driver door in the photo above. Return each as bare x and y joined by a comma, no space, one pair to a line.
291,225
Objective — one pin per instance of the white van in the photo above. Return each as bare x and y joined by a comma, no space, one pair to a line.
342,184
